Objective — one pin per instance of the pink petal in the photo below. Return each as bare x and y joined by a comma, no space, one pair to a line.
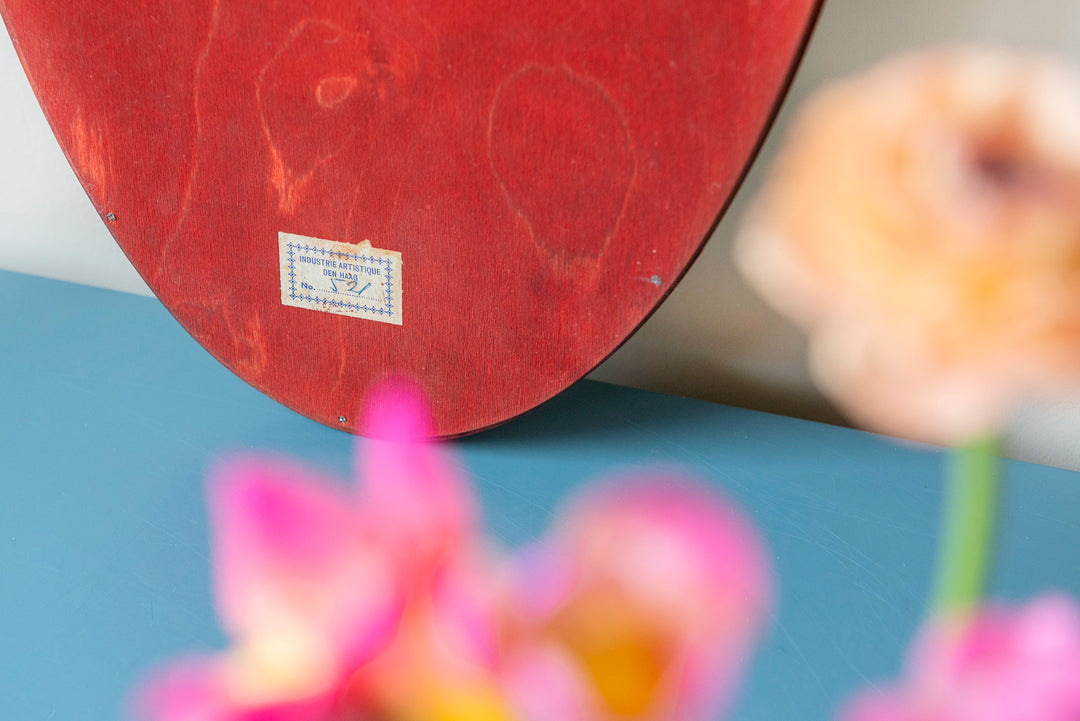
543,579
418,500
189,690
463,605
279,536
684,564
678,544
544,685
289,547
194,690
708,676
998,664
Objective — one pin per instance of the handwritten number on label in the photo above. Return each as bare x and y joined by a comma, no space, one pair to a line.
350,289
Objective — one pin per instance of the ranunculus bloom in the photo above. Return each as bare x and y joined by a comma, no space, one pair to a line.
999,664
923,223
303,590
642,603
317,585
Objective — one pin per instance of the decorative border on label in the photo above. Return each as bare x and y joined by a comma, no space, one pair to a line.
341,278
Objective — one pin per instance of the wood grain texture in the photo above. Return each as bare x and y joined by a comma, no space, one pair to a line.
547,172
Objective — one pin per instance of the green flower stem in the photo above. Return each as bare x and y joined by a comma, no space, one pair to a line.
968,526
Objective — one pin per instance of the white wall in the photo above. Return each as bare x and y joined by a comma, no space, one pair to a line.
712,338
47,225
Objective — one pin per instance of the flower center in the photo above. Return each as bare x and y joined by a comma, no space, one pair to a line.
290,662
623,655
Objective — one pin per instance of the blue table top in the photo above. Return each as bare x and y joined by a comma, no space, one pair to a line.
111,413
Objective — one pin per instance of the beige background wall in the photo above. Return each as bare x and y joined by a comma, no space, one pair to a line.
711,339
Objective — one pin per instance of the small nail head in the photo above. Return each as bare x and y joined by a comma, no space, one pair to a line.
111,216
342,420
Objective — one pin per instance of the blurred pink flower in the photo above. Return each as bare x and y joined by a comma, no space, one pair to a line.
387,603
643,603
315,584
419,503
999,664
302,589
922,222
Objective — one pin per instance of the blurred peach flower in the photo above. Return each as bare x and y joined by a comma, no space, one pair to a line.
923,223
643,603
389,603
999,664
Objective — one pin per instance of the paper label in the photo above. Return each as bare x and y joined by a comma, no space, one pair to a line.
342,278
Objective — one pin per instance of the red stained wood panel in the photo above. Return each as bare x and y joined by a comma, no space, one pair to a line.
546,171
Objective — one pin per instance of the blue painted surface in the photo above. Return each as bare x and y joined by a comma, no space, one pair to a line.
111,413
